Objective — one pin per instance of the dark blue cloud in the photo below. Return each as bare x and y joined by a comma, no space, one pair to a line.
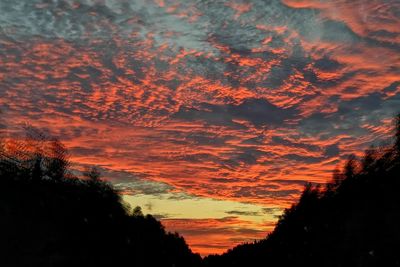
259,112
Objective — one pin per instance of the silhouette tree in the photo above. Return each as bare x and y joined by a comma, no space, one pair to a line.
37,173
137,212
57,162
353,222
93,174
397,134
350,167
49,218
369,159
396,145
337,178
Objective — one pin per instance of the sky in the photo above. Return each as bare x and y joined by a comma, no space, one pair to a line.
211,115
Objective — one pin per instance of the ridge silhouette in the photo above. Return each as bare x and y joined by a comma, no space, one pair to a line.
50,217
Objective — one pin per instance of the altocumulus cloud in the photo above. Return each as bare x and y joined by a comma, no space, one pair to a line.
242,100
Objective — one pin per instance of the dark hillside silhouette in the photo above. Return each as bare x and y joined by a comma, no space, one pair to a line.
353,221
48,217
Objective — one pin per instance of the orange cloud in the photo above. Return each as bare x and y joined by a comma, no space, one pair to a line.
231,101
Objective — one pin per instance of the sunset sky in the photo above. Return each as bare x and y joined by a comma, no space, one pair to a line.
210,115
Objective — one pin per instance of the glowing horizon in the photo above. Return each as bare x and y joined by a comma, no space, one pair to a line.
219,110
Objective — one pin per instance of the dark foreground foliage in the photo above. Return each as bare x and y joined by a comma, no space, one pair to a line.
48,217
353,221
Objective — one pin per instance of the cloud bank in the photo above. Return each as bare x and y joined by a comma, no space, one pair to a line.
239,101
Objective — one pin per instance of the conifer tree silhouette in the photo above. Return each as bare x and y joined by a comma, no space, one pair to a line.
353,221
50,218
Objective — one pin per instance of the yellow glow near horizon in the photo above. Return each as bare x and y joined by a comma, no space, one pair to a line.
199,208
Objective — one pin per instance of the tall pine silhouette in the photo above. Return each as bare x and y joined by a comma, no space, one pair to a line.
353,221
49,217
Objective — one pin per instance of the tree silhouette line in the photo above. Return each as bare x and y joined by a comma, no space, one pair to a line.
51,217
354,220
